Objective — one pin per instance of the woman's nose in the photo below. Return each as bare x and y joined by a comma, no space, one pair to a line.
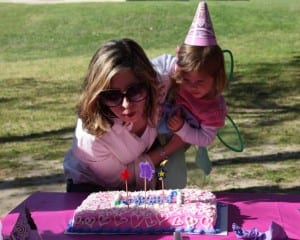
125,102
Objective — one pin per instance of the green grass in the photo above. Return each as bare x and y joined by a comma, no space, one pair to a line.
45,50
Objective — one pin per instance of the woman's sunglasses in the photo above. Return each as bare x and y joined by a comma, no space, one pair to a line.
114,97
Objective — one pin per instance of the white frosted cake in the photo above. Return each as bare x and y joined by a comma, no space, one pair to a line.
159,211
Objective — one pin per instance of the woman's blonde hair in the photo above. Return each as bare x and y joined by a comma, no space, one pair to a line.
111,58
202,58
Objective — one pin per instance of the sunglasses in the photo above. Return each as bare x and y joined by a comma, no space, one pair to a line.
114,97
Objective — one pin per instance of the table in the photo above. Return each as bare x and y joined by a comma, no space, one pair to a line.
51,212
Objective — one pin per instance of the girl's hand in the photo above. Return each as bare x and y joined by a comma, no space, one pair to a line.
176,122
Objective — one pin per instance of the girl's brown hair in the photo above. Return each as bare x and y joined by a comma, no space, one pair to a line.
199,58
112,57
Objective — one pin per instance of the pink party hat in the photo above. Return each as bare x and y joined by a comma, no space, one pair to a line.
201,31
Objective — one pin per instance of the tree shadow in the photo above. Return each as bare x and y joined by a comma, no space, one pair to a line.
261,159
276,157
33,181
264,99
266,189
33,136
270,82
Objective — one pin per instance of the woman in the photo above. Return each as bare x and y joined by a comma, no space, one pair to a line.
117,116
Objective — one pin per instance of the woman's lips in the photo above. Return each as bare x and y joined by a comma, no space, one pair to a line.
129,115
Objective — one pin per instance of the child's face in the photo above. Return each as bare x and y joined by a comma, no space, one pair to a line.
198,83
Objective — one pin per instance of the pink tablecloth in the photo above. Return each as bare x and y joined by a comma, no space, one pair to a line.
52,211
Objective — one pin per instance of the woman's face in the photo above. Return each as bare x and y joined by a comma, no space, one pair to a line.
199,84
129,111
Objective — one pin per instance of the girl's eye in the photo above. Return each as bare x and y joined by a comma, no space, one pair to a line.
198,83
187,82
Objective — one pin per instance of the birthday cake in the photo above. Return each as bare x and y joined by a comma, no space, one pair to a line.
157,211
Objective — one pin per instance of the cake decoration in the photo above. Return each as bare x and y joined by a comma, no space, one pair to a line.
146,172
125,174
161,174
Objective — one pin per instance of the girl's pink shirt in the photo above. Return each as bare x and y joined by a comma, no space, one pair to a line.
209,112
210,115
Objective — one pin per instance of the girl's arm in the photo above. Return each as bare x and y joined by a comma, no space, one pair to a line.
202,136
162,152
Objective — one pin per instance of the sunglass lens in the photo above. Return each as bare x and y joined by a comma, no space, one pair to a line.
111,97
136,93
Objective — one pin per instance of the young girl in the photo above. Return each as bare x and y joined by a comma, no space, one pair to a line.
201,78
197,108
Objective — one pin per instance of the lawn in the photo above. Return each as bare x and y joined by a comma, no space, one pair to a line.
45,50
